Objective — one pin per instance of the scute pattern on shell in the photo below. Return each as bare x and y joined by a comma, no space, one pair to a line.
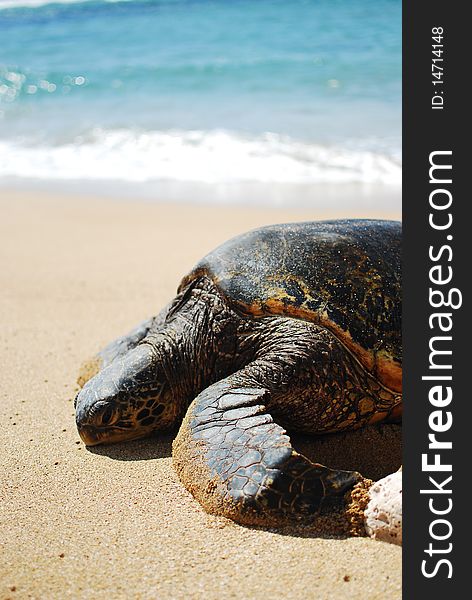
344,275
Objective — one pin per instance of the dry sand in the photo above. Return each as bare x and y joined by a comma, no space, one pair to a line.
115,522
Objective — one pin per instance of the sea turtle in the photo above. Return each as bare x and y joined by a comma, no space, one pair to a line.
294,326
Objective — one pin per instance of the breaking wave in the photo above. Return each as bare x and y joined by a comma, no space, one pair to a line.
216,156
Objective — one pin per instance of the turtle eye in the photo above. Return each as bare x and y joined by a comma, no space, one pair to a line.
107,416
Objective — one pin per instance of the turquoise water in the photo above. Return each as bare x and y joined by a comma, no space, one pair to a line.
209,91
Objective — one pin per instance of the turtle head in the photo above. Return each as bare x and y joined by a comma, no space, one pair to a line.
126,400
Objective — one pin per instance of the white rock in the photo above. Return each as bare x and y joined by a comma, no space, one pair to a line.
383,515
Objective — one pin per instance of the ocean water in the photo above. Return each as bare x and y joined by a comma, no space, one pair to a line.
215,93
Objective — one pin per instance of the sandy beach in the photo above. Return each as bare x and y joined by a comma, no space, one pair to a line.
115,522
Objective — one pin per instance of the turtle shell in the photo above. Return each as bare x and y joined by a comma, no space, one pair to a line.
344,275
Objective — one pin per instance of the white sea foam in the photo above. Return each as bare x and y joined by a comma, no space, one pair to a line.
195,156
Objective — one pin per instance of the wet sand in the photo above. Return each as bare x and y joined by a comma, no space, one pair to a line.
115,522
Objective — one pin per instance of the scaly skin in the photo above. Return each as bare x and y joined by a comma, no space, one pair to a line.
121,346
237,462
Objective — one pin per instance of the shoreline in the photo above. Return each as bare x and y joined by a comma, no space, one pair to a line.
115,521
374,200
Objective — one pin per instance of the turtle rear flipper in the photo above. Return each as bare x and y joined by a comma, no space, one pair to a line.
233,457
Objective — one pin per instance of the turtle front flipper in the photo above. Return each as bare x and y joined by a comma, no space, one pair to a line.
237,462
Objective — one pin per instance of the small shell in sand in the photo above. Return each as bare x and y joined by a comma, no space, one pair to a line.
383,515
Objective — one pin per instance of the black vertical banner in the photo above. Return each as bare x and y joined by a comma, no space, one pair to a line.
437,266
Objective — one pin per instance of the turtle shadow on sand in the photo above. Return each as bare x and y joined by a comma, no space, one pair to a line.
374,451
150,448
